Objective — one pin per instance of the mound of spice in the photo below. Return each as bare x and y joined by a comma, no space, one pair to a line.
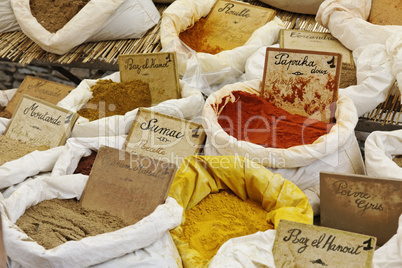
253,119
116,98
85,164
196,36
13,149
218,218
4,113
54,14
54,222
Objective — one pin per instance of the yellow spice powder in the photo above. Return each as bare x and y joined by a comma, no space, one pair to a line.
220,217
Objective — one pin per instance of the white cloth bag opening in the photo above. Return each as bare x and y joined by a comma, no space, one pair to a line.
146,242
98,20
188,107
203,69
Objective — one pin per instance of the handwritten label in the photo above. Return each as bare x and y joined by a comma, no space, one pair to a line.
127,185
298,39
303,245
159,70
231,23
40,123
164,137
302,82
45,90
359,203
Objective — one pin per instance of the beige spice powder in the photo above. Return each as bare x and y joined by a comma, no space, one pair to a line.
54,222
13,149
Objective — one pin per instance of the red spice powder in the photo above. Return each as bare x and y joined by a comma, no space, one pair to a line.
253,119
85,164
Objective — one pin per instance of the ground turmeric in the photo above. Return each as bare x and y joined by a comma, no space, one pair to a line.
218,218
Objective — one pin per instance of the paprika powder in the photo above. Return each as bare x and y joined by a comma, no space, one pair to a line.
252,118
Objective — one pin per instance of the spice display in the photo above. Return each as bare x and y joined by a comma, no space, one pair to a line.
218,218
13,149
85,164
252,118
54,222
116,98
195,37
386,12
4,113
54,14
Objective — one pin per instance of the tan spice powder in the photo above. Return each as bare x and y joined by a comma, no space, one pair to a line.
116,98
54,14
13,149
54,222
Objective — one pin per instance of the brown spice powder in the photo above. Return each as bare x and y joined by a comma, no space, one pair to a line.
116,98
54,14
4,113
54,222
13,149
85,164
196,36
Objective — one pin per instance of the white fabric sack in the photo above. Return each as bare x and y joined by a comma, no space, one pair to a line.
213,69
390,254
189,107
98,20
347,22
373,72
337,151
380,148
90,250
8,22
79,147
251,251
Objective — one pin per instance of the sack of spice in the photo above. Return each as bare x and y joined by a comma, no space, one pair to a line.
8,22
5,97
83,21
188,107
301,163
145,243
78,149
383,154
377,56
229,196
213,68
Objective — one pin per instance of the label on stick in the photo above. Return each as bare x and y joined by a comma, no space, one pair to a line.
303,245
302,82
159,70
40,123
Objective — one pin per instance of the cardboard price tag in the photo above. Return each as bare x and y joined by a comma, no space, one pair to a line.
231,23
303,245
45,90
164,137
299,39
40,123
127,185
159,70
302,82
358,203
